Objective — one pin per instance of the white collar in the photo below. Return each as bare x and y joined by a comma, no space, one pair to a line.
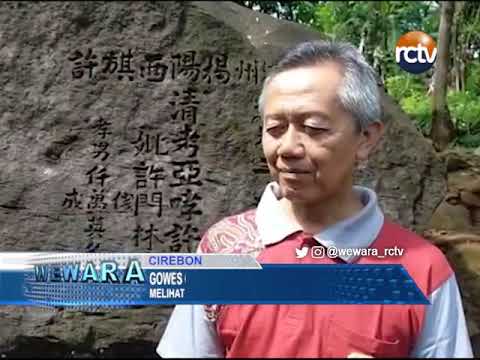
357,231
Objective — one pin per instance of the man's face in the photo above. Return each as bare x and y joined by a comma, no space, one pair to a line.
309,141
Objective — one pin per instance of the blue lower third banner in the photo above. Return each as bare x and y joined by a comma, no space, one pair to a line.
123,280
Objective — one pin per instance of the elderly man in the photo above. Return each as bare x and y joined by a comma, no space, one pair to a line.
321,118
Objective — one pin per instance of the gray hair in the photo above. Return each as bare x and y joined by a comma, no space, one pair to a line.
358,94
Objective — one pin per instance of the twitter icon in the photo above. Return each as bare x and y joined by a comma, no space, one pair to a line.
301,253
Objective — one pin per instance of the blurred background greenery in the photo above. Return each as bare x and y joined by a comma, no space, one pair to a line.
374,28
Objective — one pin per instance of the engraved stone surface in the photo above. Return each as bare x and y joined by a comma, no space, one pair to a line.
133,127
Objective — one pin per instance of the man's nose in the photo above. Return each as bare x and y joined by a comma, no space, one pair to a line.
291,144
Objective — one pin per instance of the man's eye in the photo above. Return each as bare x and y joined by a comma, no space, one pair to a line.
314,129
274,128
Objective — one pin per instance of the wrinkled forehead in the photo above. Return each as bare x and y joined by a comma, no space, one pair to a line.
305,87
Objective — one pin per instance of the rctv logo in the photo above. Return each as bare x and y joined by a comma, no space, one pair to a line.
415,52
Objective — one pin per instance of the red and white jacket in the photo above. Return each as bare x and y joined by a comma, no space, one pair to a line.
436,330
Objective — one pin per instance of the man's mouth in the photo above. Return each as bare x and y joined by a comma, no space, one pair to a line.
294,171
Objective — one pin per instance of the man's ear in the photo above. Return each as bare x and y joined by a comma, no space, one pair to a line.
370,137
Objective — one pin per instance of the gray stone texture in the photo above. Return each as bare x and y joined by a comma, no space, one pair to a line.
47,119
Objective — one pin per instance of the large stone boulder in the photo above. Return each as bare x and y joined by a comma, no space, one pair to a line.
132,127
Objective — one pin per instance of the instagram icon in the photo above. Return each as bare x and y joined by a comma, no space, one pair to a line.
318,252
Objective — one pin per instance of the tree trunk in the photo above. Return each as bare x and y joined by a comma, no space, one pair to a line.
466,55
462,75
454,72
361,47
457,45
291,15
443,130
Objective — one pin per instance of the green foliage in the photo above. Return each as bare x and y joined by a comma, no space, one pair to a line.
375,27
464,109
473,78
286,10
418,106
403,85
